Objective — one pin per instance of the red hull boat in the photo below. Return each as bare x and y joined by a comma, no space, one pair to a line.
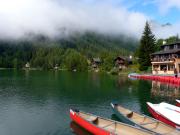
87,125
78,130
178,103
101,126
165,113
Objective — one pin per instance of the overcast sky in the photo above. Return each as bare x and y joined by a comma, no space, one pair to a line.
58,18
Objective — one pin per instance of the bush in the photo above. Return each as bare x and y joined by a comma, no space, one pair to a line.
114,71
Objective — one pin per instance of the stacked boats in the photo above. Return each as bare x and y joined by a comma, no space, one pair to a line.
165,79
136,124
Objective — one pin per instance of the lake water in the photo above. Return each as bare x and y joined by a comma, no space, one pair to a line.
38,102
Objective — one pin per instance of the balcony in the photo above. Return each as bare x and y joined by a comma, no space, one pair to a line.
163,60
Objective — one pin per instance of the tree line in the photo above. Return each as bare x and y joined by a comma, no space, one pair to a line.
75,52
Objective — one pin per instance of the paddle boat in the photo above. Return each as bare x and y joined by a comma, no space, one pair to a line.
102,126
178,103
166,113
143,121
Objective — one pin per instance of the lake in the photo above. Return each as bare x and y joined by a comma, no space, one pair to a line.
38,102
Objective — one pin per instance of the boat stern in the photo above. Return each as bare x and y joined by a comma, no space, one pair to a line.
150,106
178,103
73,113
113,104
152,110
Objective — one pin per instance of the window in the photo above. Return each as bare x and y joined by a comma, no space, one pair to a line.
178,46
163,67
175,46
166,48
155,67
172,47
171,67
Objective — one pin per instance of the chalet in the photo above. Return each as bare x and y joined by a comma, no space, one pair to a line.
167,59
122,62
96,62
56,67
27,65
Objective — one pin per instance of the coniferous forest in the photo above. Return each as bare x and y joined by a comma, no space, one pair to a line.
77,51
73,52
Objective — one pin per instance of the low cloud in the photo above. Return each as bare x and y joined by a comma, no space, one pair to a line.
167,31
166,5
59,18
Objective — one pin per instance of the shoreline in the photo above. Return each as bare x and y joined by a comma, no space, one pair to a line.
121,73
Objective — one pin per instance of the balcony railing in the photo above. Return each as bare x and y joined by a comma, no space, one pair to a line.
162,59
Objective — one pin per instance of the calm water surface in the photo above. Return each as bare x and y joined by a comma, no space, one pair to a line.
38,102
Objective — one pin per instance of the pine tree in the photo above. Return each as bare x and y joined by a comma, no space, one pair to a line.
147,46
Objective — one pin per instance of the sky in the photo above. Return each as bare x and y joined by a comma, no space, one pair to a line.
61,18
163,11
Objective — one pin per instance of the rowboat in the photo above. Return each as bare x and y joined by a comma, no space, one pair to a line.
166,113
102,126
143,121
78,130
178,103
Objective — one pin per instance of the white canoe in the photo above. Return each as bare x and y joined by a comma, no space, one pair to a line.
178,101
165,112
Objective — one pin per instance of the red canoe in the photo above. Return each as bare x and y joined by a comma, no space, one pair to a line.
178,103
78,130
166,113
101,126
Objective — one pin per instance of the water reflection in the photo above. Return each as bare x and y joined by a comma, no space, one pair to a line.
123,80
114,117
38,102
76,129
165,91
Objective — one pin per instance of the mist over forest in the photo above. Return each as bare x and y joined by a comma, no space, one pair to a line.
43,52
46,33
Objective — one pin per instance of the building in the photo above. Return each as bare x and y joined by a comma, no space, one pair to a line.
56,67
167,59
96,62
122,62
27,65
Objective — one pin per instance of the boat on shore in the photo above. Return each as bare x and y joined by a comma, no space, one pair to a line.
177,102
166,113
102,126
143,121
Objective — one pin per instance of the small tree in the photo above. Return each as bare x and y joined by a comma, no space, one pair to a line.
172,39
74,60
147,46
